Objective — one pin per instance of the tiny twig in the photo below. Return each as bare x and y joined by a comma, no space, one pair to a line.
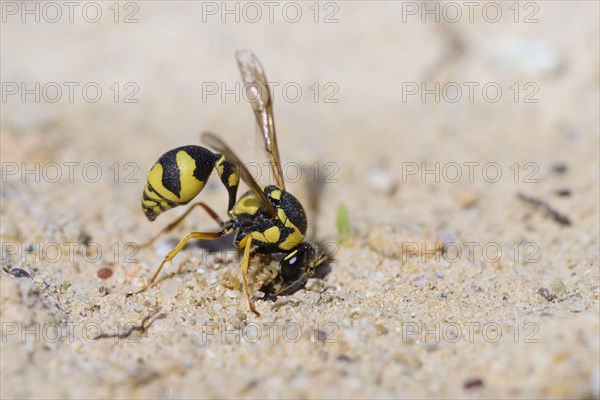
551,212
292,302
126,333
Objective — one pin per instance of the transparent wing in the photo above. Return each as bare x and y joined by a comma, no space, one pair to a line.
258,93
220,146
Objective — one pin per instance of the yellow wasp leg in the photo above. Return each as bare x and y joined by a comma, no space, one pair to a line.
173,224
320,260
170,255
244,267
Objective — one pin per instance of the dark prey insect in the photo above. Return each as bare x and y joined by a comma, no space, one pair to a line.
266,219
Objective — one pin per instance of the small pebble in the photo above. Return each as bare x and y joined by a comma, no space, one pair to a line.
563,193
19,273
382,329
545,293
104,273
408,358
409,329
559,168
85,239
557,287
467,199
439,274
576,307
379,276
64,286
382,179
91,251
595,383
515,55
8,228
473,383
319,336
132,271
230,281
170,288
431,347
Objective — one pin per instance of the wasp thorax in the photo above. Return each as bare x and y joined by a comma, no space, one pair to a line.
288,206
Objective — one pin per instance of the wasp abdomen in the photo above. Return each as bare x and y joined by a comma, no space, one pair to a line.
180,174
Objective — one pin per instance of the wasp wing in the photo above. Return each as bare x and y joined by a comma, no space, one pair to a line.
220,146
259,96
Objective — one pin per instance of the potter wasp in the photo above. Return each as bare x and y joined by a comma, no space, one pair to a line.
264,220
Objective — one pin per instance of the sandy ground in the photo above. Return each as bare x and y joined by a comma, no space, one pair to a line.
451,286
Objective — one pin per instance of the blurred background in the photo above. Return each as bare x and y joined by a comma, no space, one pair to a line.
371,87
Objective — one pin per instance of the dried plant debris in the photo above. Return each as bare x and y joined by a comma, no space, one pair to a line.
550,212
142,327
563,192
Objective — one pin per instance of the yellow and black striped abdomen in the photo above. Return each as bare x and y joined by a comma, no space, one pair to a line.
180,174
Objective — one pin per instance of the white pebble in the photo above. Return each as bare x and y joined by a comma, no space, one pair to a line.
382,179
169,288
526,56
8,228
595,383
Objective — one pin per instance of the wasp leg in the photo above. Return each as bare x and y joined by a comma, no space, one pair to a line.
321,260
170,255
173,224
244,267
297,284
